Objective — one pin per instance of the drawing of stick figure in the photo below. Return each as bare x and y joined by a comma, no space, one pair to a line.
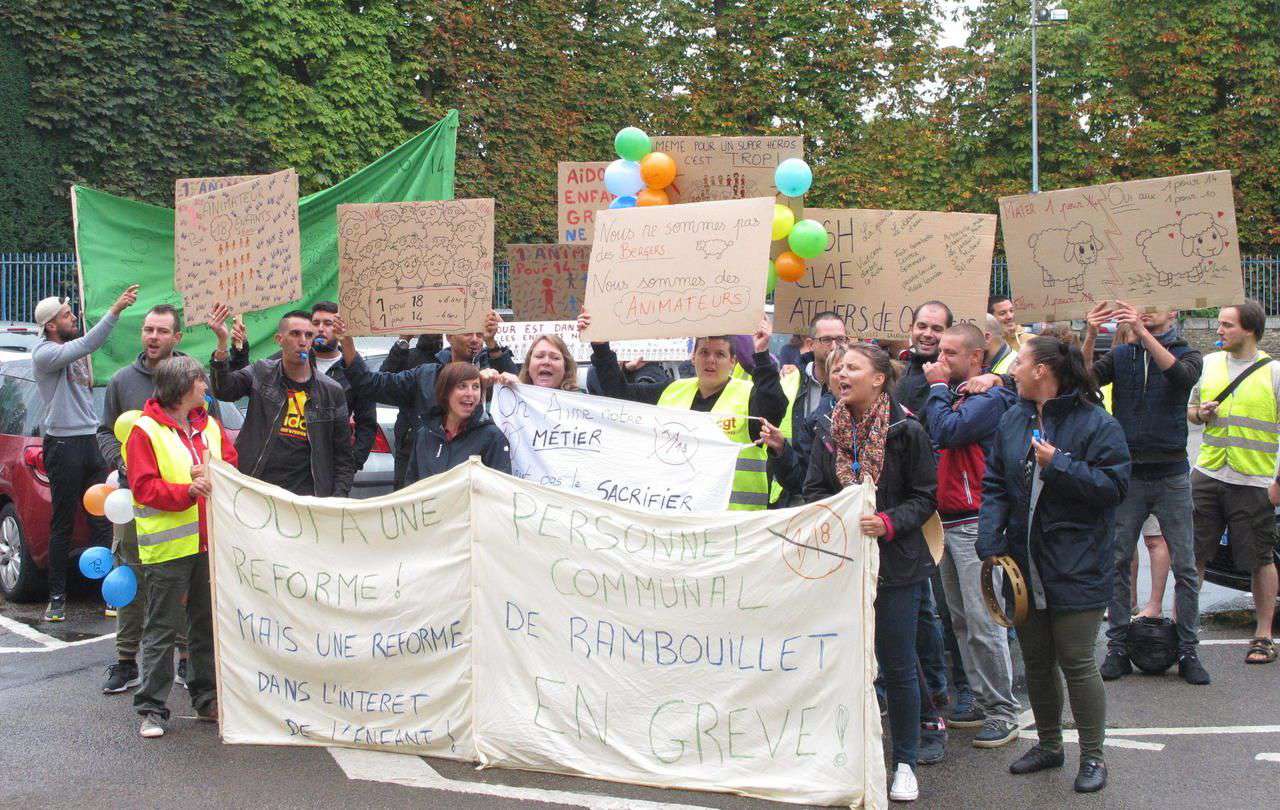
548,297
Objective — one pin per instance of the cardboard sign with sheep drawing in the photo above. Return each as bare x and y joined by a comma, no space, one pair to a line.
1168,243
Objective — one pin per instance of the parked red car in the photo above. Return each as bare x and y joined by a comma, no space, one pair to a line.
24,484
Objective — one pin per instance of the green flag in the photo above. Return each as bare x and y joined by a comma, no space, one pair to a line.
121,242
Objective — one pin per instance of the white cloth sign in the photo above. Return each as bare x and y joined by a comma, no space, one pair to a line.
325,636
675,460
724,651
518,336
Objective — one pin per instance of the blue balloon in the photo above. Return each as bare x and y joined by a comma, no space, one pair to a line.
96,562
627,201
623,178
793,177
120,586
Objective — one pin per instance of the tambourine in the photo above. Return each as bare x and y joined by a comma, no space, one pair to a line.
1021,600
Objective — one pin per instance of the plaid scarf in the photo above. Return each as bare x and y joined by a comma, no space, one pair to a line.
860,444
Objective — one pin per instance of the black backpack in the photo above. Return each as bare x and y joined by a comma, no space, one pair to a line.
1152,644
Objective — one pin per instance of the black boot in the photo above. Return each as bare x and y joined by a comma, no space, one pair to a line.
1115,665
1037,759
1092,776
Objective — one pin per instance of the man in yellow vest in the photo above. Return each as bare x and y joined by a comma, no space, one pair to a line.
999,357
1234,484
1013,333
166,457
714,390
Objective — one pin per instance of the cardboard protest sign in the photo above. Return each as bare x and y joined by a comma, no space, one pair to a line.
1166,243
683,461
415,266
186,187
239,245
580,193
548,282
720,651
880,265
724,168
343,622
518,336
679,270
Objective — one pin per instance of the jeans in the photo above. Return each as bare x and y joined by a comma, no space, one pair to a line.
929,649
166,584
984,645
74,464
130,618
1169,499
896,607
959,678
1053,641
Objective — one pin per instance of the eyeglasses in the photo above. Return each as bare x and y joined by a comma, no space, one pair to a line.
828,340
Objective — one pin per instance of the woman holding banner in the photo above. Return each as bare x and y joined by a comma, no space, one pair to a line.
870,435
1057,470
740,404
166,460
457,427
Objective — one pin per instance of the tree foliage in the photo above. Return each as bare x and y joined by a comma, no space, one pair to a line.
126,96
34,217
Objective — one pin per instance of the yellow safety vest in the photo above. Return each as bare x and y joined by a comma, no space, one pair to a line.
163,535
1106,397
790,387
740,373
750,479
1005,363
1244,434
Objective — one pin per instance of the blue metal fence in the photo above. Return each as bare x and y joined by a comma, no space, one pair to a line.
25,278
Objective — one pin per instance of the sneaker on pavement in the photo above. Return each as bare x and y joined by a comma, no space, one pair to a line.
995,733
151,726
1036,759
905,788
967,713
181,678
1091,777
110,613
1116,665
121,676
1192,671
57,610
209,713
933,743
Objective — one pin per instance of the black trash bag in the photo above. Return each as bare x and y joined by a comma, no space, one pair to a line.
1152,644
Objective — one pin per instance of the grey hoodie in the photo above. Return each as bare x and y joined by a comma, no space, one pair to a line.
65,382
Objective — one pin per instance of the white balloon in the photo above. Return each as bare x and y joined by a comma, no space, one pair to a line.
114,478
623,178
119,506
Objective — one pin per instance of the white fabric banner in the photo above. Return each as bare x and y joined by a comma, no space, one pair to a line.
728,652
612,450
344,622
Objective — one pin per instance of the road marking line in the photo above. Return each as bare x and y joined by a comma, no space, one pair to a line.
1232,640
1070,735
1192,730
413,771
28,632
1268,757
61,645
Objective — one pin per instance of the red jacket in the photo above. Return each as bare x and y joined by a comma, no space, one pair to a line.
149,488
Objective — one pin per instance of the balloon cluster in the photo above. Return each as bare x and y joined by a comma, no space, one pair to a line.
110,500
639,176
806,238
119,584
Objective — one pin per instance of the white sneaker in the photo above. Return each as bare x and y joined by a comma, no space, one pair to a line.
151,727
905,787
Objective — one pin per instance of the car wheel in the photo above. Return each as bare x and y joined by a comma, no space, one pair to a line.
20,580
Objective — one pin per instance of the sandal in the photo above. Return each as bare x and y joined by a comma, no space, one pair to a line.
1261,651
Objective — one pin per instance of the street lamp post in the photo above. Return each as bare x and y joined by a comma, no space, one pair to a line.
1038,17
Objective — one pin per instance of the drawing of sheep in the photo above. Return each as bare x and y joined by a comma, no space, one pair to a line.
713,248
1063,255
1184,249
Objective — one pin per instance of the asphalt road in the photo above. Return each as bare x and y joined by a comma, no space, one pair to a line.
1170,745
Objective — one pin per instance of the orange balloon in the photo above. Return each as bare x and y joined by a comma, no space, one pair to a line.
95,498
790,266
657,169
652,196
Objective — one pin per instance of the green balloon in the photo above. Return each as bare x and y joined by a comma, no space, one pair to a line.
808,239
631,143
773,278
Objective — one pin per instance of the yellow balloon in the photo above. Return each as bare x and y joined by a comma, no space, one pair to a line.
124,425
783,220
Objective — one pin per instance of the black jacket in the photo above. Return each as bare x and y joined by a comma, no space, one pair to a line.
363,412
905,494
434,454
913,388
1151,404
1071,535
332,463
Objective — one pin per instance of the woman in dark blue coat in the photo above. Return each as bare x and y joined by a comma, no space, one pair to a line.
1058,468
